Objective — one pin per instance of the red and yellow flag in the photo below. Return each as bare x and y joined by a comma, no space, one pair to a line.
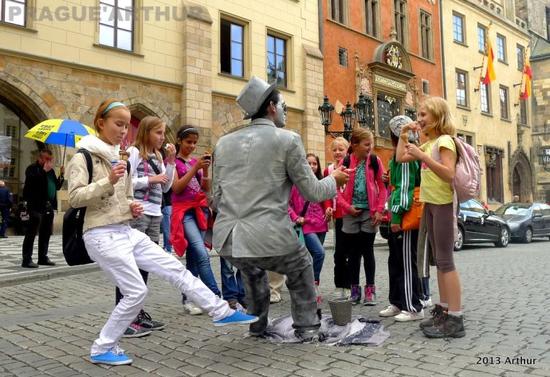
527,77
490,74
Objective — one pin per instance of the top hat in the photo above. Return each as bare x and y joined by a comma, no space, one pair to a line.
253,95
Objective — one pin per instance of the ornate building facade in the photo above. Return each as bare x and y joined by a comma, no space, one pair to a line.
537,15
386,50
490,116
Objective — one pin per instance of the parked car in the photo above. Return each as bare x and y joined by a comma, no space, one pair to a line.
526,220
476,224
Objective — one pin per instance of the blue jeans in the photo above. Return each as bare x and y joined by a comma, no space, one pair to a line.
198,261
314,244
165,225
232,285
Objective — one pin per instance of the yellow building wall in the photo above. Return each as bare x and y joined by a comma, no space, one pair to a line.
488,130
158,54
296,19
158,42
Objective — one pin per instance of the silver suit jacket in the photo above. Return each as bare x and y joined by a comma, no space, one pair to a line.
254,170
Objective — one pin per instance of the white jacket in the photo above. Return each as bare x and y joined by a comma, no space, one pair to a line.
106,203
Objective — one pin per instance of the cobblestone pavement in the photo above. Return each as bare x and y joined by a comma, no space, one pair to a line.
46,329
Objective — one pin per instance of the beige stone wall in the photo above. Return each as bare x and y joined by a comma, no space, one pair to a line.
65,91
228,116
541,124
488,130
314,135
298,20
158,53
196,104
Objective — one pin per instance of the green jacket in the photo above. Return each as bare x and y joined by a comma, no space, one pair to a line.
404,177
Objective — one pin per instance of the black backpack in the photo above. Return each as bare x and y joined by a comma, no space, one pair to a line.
74,250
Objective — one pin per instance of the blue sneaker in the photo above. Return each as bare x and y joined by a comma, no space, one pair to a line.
237,318
115,356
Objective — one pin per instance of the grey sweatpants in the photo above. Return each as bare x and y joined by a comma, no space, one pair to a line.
297,266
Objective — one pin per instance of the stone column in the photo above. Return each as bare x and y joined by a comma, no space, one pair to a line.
196,99
313,133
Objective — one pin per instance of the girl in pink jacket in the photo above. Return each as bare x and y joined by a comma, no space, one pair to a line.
362,203
314,218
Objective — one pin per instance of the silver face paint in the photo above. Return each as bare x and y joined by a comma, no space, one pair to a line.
280,115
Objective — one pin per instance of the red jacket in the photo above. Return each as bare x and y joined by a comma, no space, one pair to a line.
177,232
376,190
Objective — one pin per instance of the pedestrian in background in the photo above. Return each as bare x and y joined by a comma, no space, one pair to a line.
362,203
40,192
6,202
339,148
190,211
119,250
438,162
404,284
313,217
150,179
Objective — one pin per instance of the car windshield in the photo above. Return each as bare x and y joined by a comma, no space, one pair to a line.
513,210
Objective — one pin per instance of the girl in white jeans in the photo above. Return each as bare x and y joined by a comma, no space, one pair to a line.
119,250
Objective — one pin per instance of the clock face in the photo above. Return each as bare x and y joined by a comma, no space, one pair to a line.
393,57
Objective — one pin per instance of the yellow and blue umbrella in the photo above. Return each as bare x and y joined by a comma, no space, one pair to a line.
66,132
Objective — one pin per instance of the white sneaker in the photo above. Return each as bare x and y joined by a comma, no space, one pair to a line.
426,303
390,311
191,308
405,316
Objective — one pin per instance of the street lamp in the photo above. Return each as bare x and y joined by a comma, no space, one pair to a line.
363,110
544,158
325,111
363,114
348,117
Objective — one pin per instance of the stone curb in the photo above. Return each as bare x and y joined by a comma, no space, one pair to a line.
40,274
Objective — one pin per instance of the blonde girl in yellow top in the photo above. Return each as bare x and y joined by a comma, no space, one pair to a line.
437,157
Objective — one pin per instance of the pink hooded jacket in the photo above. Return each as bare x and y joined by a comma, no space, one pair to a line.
376,190
315,214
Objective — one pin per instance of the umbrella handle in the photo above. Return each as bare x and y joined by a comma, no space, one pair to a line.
64,151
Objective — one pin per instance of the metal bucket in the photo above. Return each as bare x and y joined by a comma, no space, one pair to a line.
341,311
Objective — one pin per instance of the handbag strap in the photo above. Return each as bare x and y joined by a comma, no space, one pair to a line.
304,210
153,165
197,175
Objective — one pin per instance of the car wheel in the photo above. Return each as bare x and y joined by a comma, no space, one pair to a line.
459,239
503,238
527,235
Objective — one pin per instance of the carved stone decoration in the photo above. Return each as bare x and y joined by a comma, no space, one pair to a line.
365,86
392,57
409,101
363,78
412,93
491,156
